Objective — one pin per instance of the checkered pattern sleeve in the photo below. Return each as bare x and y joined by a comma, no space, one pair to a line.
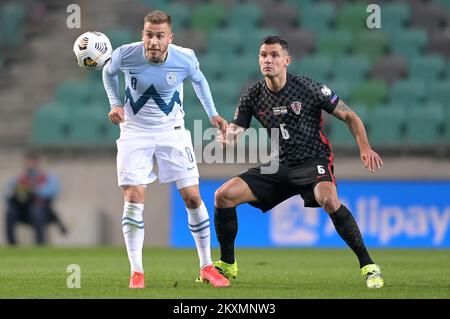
244,110
325,97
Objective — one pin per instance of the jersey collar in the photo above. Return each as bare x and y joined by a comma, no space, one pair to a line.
280,92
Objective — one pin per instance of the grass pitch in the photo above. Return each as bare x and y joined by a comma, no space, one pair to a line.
263,273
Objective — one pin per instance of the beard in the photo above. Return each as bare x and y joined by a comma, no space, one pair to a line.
156,59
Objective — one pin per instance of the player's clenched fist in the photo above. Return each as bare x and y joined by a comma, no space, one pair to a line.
117,114
231,135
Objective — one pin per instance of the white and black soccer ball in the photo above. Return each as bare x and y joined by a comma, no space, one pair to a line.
92,50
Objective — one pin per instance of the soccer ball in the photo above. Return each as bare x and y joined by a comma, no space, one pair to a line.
92,50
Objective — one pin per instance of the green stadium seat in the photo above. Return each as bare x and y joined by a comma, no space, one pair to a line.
86,127
394,16
386,127
371,44
352,17
157,4
424,125
193,114
318,67
225,93
253,38
189,97
109,132
439,93
339,132
370,93
351,69
303,2
444,3
74,93
405,93
447,128
12,16
246,16
50,126
97,95
211,66
193,108
121,36
335,44
180,14
225,42
208,17
429,68
341,88
409,43
317,17
229,111
244,68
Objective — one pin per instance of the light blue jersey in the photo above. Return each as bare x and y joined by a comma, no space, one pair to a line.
154,92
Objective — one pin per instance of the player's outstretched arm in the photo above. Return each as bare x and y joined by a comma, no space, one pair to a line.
230,136
372,161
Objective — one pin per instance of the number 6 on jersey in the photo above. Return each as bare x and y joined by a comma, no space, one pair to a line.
284,131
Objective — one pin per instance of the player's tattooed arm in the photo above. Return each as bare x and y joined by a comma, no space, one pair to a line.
370,158
343,112
231,136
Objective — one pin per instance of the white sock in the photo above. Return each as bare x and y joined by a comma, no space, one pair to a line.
198,220
133,233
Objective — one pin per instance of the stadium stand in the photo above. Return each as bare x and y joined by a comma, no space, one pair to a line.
394,76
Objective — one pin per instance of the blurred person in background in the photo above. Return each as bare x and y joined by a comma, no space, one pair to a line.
29,198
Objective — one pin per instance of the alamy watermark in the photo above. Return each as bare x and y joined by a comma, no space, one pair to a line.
74,279
374,19
253,146
73,21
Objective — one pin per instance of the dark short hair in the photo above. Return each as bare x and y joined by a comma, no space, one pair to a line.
273,39
158,17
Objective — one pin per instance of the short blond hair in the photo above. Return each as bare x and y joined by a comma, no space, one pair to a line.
158,17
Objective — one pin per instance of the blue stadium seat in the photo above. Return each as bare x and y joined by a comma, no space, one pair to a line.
429,68
317,17
318,67
424,125
386,127
225,42
407,92
409,43
245,17
50,126
335,44
351,69
394,16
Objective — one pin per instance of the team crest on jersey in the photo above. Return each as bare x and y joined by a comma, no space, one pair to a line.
296,107
326,91
171,78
